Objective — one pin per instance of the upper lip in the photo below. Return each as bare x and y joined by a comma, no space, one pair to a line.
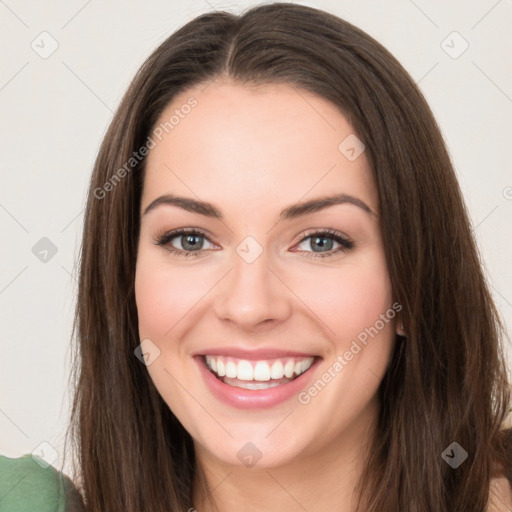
252,354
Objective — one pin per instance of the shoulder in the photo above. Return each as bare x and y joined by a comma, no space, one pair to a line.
500,495
500,491
29,483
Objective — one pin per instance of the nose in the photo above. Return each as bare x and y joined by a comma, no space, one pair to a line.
252,294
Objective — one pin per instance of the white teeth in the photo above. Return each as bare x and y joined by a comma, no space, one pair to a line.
288,369
221,371
244,370
231,370
262,371
258,371
277,370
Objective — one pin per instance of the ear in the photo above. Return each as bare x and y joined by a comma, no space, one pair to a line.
400,327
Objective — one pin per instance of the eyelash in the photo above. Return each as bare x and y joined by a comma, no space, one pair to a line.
164,241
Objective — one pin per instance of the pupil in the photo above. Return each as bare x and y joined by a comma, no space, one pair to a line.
189,240
323,245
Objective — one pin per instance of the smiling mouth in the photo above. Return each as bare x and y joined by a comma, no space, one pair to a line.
261,374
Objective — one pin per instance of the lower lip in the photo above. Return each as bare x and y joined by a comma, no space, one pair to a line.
253,398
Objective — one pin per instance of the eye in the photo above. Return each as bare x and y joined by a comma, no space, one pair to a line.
324,241
190,242
183,242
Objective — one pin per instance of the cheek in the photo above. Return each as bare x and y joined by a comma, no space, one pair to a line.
349,299
164,294
355,302
155,307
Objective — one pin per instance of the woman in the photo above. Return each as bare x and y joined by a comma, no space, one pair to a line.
281,306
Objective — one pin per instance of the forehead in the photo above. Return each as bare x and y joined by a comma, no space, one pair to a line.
250,147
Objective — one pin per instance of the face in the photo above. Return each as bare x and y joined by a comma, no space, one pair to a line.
269,321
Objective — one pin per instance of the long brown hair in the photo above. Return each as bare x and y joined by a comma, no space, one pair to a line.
447,382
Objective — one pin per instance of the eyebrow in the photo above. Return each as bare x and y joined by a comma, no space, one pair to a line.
290,212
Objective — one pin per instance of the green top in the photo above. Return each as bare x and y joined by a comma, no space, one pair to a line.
29,484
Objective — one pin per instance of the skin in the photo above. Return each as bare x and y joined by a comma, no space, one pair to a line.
252,151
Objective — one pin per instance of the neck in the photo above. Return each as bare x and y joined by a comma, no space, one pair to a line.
325,480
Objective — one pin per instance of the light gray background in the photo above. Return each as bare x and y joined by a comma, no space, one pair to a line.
55,111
